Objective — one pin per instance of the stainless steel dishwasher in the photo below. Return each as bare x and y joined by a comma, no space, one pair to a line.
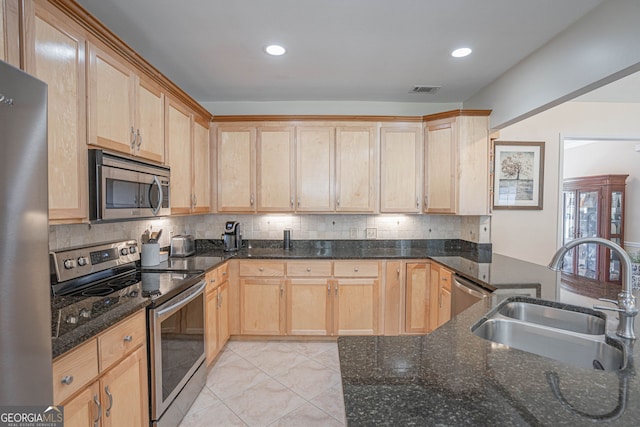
465,293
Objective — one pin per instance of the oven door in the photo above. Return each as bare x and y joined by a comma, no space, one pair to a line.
176,345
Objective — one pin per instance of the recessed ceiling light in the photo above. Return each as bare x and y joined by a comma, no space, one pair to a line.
461,53
275,50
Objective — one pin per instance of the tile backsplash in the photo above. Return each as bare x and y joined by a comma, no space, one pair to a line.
475,229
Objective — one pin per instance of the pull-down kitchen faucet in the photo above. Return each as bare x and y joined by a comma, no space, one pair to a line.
626,303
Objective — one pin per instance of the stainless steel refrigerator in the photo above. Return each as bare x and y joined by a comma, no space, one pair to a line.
25,302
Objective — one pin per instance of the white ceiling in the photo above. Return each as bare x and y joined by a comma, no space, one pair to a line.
338,50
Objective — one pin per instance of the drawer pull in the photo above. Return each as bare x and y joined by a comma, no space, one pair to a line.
261,269
308,269
356,269
128,338
67,379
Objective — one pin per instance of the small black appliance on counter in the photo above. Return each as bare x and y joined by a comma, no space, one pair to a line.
232,237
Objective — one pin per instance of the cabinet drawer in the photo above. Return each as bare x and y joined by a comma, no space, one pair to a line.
309,268
261,269
355,269
445,278
223,273
74,370
123,338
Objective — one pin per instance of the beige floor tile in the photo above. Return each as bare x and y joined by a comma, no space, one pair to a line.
309,378
226,355
216,415
331,401
329,359
205,399
247,348
308,416
313,348
264,403
233,378
276,360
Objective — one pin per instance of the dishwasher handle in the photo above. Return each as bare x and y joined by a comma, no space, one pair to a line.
469,287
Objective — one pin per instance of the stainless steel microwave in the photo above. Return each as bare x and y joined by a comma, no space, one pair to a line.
123,188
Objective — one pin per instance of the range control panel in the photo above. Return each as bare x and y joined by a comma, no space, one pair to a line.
80,261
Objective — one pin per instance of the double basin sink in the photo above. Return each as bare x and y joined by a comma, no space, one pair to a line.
568,333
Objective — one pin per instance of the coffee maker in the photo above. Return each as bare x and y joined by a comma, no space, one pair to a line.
232,237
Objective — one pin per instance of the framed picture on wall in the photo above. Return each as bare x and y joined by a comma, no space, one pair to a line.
518,172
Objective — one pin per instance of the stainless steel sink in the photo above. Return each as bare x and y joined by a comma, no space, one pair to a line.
584,321
566,333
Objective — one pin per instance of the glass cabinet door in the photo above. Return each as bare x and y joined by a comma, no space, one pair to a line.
615,234
587,222
569,228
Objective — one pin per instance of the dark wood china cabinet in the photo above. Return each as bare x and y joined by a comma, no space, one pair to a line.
593,206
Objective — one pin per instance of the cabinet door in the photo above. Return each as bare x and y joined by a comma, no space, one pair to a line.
444,314
63,69
440,168
201,169
400,170
262,306
149,122
418,297
211,329
445,278
315,169
178,135
236,166
10,31
124,398
356,306
223,314
356,155
84,409
308,307
472,165
275,170
111,102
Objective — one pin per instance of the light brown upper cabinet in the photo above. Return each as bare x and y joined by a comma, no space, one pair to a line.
315,162
63,69
236,165
356,158
401,169
275,170
188,149
457,163
336,169
126,113
201,180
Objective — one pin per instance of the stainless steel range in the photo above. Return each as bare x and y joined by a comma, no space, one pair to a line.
92,285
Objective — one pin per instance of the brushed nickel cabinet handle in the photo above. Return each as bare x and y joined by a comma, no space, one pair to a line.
139,138
133,138
128,338
356,269
98,410
308,269
110,396
67,379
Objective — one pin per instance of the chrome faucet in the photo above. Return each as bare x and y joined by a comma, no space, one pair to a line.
626,303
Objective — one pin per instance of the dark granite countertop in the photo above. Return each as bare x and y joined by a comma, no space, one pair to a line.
451,377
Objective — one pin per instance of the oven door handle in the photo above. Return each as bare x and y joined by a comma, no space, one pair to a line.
156,182
182,301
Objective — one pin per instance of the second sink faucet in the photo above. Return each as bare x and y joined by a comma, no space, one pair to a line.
626,303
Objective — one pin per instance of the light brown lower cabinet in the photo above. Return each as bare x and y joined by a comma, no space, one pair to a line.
441,293
310,298
217,312
418,296
113,392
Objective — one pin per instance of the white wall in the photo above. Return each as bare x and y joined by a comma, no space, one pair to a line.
532,235
596,50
